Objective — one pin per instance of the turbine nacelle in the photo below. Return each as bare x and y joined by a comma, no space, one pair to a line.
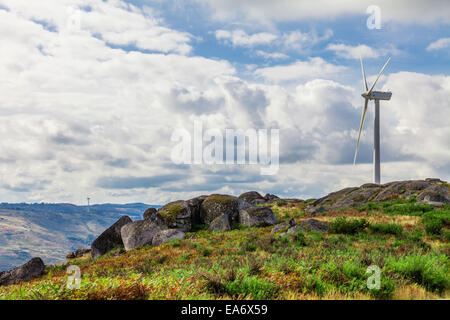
377,95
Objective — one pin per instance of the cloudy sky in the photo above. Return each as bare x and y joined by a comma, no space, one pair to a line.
91,92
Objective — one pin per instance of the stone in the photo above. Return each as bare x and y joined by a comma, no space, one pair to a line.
271,197
252,197
32,269
314,225
110,238
433,190
221,223
164,236
140,233
149,213
78,253
195,204
281,227
257,217
216,205
177,215
435,193
295,229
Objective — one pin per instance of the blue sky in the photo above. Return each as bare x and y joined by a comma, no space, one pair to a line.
93,91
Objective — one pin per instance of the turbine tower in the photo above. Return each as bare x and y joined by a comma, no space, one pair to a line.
88,208
369,94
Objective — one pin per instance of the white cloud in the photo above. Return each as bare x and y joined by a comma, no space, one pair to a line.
266,12
241,38
315,67
272,55
439,44
354,52
301,40
114,21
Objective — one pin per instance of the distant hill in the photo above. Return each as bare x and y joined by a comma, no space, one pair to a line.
51,230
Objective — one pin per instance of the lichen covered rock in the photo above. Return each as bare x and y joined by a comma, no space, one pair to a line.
257,217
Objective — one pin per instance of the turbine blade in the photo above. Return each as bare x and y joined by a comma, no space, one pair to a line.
379,74
363,73
363,117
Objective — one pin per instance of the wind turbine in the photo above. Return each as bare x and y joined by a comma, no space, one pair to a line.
369,94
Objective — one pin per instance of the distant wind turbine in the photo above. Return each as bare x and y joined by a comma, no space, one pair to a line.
88,208
369,94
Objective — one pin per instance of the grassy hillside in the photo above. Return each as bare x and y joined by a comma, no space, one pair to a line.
407,240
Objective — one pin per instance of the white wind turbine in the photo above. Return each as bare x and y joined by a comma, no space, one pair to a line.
369,94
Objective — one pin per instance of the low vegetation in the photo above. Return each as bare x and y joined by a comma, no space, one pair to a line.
407,241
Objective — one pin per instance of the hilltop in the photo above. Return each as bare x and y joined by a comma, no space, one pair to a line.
226,247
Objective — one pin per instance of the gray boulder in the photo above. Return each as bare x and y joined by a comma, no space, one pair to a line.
295,229
257,217
252,197
284,226
177,215
309,225
271,197
314,225
436,193
150,213
110,238
140,233
30,270
164,236
195,204
221,223
216,205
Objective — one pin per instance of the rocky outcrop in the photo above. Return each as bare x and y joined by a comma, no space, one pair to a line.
309,225
140,233
78,253
164,236
30,270
257,217
283,226
216,205
177,215
150,213
195,204
221,223
433,190
252,197
110,238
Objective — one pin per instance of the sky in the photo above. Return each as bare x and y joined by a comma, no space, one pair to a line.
92,92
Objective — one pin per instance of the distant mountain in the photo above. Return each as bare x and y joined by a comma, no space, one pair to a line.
51,230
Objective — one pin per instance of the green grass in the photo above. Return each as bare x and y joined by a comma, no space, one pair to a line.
430,270
386,228
347,226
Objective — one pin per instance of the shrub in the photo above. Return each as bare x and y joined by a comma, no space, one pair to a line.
387,228
433,226
415,236
257,288
446,235
300,239
281,203
428,270
206,252
350,226
434,221
387,287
